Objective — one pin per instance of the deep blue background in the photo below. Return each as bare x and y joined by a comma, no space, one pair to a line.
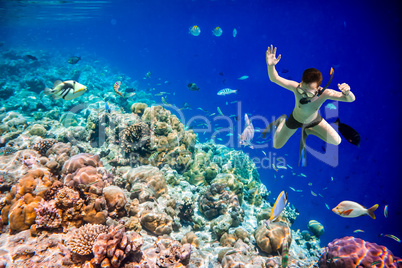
361,40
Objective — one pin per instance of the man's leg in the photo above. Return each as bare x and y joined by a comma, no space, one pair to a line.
282,134
325,132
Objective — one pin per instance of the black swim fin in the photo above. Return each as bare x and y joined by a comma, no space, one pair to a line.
302,150
274,123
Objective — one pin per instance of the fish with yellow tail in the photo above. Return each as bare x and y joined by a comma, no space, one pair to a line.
66,90
350,209
278,207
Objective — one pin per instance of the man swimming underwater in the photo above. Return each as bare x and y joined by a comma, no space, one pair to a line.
309,97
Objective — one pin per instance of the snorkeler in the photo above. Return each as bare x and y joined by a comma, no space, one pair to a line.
309,97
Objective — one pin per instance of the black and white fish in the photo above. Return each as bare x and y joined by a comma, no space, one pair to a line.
66,90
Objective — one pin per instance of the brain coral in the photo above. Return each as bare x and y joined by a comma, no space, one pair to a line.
355,252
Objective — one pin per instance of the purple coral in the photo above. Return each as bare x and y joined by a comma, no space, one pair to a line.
355,252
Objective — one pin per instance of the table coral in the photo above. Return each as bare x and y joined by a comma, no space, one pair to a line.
272,239
350,251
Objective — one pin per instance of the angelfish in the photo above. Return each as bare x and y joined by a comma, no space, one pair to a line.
278,207
66,90
248,133
350,209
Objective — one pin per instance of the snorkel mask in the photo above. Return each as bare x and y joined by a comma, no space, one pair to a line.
307,99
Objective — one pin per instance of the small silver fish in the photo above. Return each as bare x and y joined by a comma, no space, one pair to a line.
248,133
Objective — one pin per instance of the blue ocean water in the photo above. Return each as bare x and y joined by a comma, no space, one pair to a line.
361,40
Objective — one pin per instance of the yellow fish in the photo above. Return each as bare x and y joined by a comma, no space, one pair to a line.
195,30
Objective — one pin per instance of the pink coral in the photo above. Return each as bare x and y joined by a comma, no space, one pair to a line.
355,252
80,160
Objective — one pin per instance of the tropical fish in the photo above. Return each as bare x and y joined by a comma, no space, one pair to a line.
244,77
148,75
314,194
107,107
374,263
39,189
226,91
74,60
217,31
152,157
193,87
234,32
31,57
330,106
219,111
285,253
392,237
116,87
248,133
350,134
350,209
293,189
185,106
66,90
195,30
386,211
278,207
358,231
326,205
8,150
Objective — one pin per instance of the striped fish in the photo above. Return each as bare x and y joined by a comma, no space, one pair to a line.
8,150
66,90
226,91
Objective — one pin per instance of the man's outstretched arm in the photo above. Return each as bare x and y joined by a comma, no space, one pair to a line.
273,75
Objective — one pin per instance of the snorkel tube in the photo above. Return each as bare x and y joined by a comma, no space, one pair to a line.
329,82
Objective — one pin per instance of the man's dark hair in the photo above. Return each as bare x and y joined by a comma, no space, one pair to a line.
311,75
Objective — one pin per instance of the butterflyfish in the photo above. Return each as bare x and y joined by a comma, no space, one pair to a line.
278,207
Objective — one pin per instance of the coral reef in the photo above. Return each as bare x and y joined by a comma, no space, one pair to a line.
273,238
355,252
81,240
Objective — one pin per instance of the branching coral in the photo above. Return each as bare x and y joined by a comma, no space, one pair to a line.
47,215
81,240
43,145
136,139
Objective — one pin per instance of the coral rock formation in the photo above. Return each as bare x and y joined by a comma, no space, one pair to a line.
81,240
273,239
355,252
